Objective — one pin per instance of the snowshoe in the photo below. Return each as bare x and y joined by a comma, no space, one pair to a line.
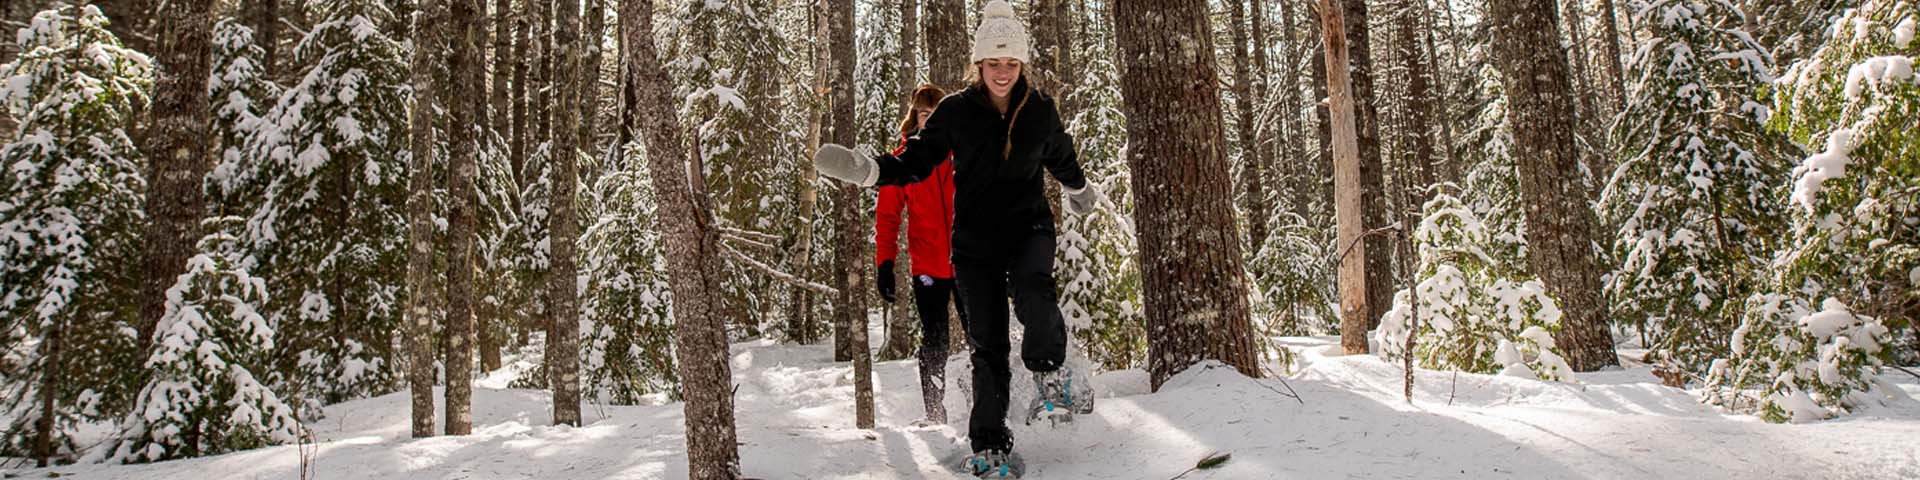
993,464
1059,396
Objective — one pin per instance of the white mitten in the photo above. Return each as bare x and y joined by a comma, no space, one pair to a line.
843,164
1084,200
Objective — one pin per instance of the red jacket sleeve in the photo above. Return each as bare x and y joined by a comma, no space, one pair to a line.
886,223
886,218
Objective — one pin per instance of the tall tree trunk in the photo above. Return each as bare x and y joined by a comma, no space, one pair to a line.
546,82
420,346
55,367
132,21
588,92
263,16
486,314
846,198
1051,22
900,322
176,149
481,116
1559,224
1274,124
1299,178
909,65
1252,172
1616,77
947,43
1419,104
800,321
1366,111
1323,113
500,96
1585,119
699,328
1348,205
1444,99
849,259
1050,67
463,100
563,322
1195,297
523,53
487,326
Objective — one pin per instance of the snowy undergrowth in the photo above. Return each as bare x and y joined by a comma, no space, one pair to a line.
795,421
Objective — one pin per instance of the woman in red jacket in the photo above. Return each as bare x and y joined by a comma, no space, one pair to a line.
929,208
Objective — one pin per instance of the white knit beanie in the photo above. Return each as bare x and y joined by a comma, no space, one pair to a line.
1000,34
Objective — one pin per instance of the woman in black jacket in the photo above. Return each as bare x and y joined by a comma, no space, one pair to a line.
1001,133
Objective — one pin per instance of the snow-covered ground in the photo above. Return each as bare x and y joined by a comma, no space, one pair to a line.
795,417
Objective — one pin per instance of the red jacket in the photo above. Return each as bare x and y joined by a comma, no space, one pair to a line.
929,206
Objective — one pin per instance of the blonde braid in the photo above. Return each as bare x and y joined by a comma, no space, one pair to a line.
1007,151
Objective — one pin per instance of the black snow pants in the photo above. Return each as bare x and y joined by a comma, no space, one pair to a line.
1022,266
930,297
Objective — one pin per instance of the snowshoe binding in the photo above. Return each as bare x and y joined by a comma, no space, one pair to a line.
993,464
1060,396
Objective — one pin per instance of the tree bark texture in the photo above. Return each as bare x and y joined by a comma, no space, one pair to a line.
1559,224
1195,296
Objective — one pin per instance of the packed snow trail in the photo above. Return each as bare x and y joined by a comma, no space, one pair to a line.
795,417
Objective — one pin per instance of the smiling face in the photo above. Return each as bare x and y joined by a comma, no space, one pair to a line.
1000,74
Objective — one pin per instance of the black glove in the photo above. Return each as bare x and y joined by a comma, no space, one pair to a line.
883,280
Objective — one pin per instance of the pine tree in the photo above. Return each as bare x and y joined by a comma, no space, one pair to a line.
1101,288
1836,302
240,92
212,349
1100,291
1693,198
626,330
331,231
1793,29
1478,308
1295,297
70,203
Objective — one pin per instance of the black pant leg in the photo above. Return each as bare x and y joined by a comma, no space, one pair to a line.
960,307
1037,303
930,296
983,289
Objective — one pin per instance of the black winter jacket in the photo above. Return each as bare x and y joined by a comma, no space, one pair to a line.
999,194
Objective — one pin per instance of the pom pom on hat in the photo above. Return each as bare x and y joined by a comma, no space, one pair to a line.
998,9
1000,34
